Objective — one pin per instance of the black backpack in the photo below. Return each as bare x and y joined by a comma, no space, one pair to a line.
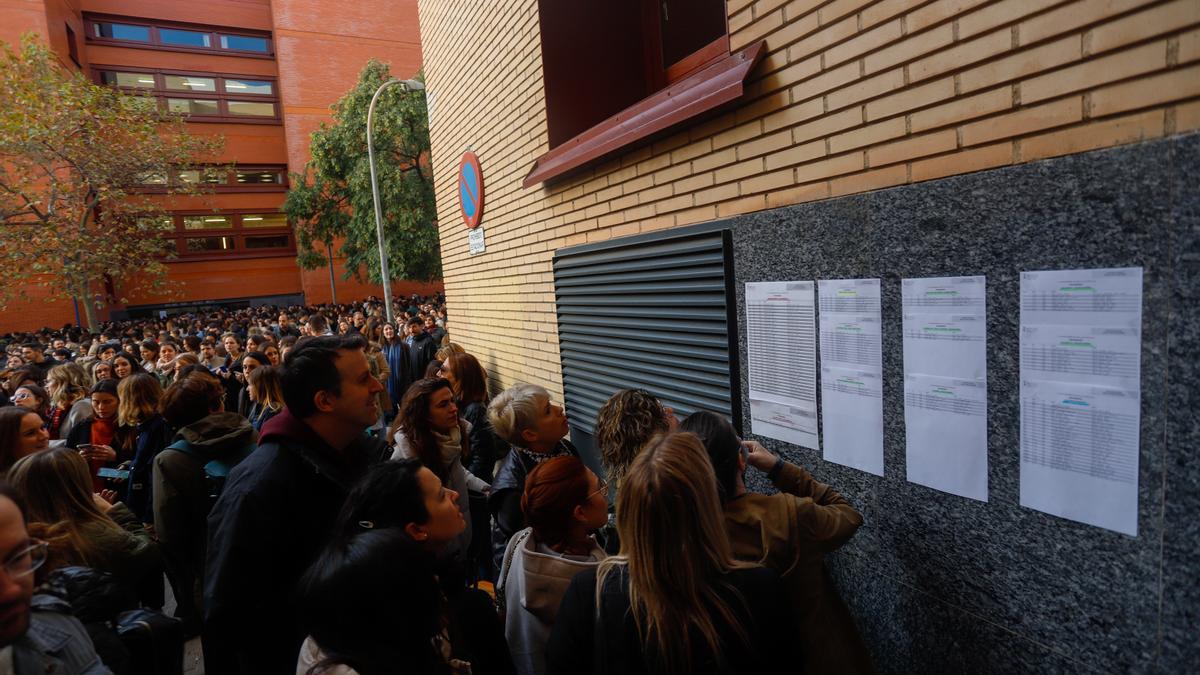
216,471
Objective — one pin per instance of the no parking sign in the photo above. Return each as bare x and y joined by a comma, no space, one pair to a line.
470,189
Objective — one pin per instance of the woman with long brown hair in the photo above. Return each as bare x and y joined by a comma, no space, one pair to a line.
428,428
264,387
81,527
21,433
674,600
468,381
790,532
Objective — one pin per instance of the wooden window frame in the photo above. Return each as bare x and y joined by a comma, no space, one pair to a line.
221,95
214,31
688,90
703,92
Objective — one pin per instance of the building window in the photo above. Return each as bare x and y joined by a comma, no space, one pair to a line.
176,36
263,220
217,98
108,30
263,176
207,222
184,38
252,178
245,43
208,244
269,241
128,80
241,234
72,46
619,73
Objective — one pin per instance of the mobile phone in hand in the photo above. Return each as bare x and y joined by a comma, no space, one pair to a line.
105,472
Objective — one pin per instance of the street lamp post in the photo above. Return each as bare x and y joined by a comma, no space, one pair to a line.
408,85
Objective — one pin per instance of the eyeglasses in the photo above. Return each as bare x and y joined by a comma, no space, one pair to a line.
26,560
20,397
602,490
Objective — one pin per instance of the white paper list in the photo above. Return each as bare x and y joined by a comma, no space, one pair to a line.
781,347
851,373
1079,452
1081,393
945,428
950,345
852,413
945,384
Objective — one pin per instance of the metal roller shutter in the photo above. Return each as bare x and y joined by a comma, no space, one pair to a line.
650,311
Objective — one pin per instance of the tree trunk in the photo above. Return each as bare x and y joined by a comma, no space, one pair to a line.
332,282
89,308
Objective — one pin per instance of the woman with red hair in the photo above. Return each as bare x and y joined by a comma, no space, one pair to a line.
563,502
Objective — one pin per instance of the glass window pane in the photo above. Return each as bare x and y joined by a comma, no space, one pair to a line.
153,178
136,80
193,106
259,177
206,223
245,43
209,176
271,241
249,87
184,38
252,108
209,243
158,222
122,31
190,83
264,220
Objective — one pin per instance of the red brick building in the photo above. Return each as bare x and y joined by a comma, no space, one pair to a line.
261,74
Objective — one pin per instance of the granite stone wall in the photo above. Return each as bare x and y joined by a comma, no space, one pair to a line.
939,583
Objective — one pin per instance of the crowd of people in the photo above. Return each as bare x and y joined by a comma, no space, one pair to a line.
327,492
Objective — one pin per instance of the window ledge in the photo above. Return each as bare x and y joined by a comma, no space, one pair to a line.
713,86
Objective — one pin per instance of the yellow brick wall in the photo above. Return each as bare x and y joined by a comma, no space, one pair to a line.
853,95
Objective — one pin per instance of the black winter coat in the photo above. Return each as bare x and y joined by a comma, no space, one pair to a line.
765,616
277,511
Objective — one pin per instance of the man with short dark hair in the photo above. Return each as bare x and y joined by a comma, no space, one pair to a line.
37,632
280,503
421,348
35,355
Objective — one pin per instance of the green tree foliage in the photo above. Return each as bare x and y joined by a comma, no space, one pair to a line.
74,157
331,200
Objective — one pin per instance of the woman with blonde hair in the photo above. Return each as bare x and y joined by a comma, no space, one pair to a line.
81,527
674,600
265,389
625,423
69,405
140,396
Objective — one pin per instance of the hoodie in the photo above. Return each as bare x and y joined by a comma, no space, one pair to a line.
181,496
532,583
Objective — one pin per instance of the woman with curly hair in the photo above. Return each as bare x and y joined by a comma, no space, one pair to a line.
624,424
68,385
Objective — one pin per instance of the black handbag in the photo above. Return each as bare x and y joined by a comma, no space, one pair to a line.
154,640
